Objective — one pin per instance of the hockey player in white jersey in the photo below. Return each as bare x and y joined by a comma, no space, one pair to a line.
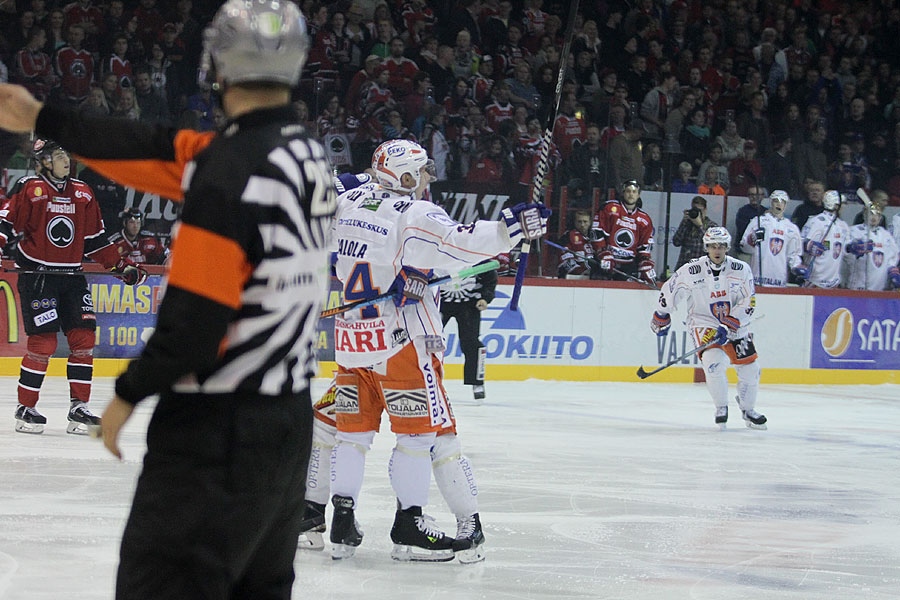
777,239
825,237
389,355
872,254
451,468
895,228
719,295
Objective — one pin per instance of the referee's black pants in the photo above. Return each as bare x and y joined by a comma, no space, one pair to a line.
218,505
468,324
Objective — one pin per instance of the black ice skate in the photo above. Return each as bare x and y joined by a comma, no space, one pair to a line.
81,420
345,532
754,419
469,543
28,420
312,527
478,392
721,416
417,538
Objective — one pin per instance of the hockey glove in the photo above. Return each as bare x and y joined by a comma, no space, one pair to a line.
606,260
647,271
800,272
814,248
894,276
860,248
660,324
730,322
129,272
721,336
758,236
409,286
526,221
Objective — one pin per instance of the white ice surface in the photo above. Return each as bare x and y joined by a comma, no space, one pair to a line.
587,490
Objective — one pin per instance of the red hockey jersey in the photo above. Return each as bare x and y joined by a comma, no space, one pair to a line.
628,235
59,224
76,68
146,249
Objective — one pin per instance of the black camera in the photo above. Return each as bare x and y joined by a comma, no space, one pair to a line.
694,212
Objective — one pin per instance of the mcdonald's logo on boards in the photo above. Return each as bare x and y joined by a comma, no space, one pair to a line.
12,312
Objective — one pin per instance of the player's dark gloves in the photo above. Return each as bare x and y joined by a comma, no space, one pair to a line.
129,272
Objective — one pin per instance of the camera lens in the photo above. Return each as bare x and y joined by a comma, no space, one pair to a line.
694,213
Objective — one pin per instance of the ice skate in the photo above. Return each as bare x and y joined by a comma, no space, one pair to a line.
345,532
478,392
417,538
469,543
312,527
754,419
81,420
721,416
29,420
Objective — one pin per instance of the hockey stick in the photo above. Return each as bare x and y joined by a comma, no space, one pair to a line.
627,276
542,166
759,246
812,259
61,272
645,374
490,265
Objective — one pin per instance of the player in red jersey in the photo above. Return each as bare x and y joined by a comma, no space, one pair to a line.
627,235
56,221
581,243
135,244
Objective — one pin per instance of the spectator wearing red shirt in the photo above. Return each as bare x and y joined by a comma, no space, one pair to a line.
33,68
401,70
90,17
75,66
744,171
501,108
493,166
358,85
118,63
569,130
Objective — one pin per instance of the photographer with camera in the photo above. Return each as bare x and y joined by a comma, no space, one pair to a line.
689,236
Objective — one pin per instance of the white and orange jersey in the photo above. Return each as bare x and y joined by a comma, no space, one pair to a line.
870,271
376,234
709,294
781,249
826,269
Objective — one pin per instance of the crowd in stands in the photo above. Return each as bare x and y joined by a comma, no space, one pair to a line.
697,96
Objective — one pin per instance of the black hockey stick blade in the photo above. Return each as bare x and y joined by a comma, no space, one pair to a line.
644,374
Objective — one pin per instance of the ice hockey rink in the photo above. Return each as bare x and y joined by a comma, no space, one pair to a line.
587,490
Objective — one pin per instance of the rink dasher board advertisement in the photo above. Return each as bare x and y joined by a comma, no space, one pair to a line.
126,316
571,331
589,333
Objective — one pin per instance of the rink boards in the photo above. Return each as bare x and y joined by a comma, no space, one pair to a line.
564,330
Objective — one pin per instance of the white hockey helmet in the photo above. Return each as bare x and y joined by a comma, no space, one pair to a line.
831,200
394,158
716,235
780,195
255,41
